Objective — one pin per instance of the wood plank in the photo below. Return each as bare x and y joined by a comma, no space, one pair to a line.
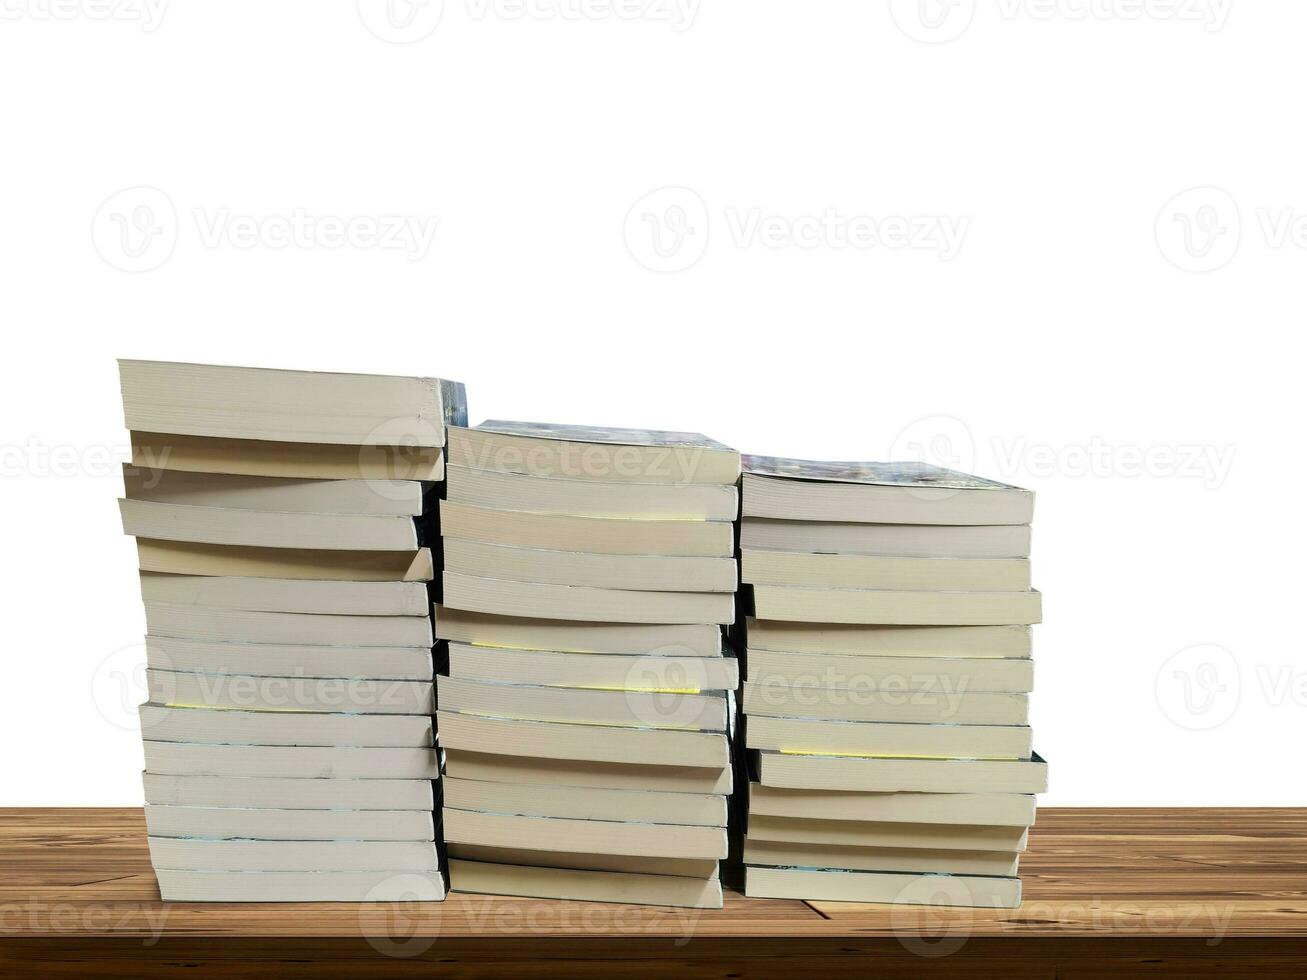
1192,893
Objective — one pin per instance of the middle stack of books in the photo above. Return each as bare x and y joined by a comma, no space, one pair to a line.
585,698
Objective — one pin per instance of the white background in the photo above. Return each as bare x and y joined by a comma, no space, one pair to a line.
1133,356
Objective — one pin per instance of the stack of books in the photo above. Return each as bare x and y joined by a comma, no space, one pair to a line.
887,683
283,523
585,696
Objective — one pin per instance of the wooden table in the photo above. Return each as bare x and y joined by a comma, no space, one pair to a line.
1153,892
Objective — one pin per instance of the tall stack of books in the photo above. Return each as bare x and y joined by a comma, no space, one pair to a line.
283,523
584,705
887,682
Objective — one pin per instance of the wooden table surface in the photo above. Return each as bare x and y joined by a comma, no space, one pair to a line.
1155,892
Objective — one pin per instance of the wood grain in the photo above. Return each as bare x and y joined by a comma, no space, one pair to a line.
1166,892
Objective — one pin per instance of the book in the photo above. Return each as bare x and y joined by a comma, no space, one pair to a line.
256,626
864,833
879,640
591,535
914,703
689,711
288,659
287,595
997,541
283,694
879,775
296,824
909,859
582,802
308,762
584,886
646,573
999,809
578,603
853,738
703,868
586,836
594,743
606,455
894,608
522,633
878,493
300,886
379,464
834,672
572,774
170,723
266,493
195,854
765,567
190,558
291,406
882,887
287,793
592,498
594,670
268,529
